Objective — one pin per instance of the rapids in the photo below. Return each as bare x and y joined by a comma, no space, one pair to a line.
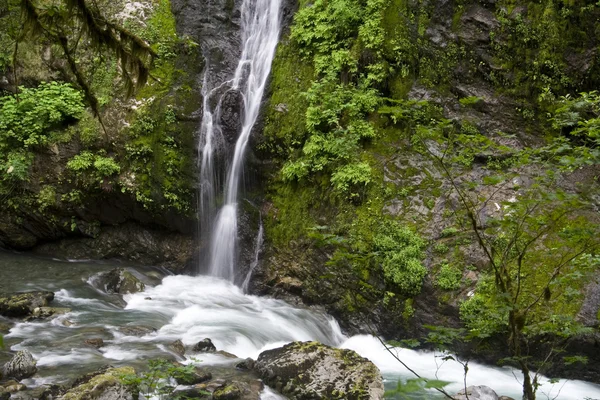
191,309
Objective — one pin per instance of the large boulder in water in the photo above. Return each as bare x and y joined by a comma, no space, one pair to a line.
311,370
476,393
118,281
105,385
21,366
19,305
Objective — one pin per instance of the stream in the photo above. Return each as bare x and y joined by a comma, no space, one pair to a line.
191,309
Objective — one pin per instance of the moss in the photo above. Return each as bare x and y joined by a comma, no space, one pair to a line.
91,388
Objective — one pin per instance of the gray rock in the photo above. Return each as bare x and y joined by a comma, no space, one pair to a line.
18,305
310,370
476,393
21,366
246,365
177,347
119,281
205,346
47,312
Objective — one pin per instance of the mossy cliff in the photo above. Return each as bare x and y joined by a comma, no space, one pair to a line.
67,175
386,117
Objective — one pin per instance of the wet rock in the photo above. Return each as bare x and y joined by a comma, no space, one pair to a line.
313,370
226,354
136,330
199,376
104,386
18,305
4,327
204,346
17,387
246,365
476,393
119,281
95,342
47,312
21,366
228,392
177,347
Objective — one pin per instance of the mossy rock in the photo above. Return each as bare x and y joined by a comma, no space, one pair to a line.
306,370
18,305
103,387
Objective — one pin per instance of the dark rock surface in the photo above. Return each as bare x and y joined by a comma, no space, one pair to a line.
310,370
205,346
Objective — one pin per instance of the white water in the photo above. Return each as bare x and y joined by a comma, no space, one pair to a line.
260,33
191,309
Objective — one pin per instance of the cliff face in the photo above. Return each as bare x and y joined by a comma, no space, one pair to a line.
365,99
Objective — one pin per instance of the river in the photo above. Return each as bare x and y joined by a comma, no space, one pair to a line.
193,308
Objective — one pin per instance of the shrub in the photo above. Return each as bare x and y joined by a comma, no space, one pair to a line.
401,251
449,277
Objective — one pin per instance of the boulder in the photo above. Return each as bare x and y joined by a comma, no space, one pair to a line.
104,386
18,305
21,366
246,365
204,346
177,347
311,370
119,281
476,393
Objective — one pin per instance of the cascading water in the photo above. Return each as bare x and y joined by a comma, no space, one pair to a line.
260,33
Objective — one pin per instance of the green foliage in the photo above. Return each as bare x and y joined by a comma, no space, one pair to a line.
401,251
46,197
157,380
449,277
27,120
97,166
415,385
335,35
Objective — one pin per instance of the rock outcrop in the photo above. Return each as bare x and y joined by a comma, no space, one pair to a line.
310,370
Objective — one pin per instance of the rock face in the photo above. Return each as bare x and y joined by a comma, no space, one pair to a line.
21,366
103,386
118,281
310,370
18,305
476,393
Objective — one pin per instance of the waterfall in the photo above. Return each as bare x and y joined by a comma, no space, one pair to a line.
260,20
